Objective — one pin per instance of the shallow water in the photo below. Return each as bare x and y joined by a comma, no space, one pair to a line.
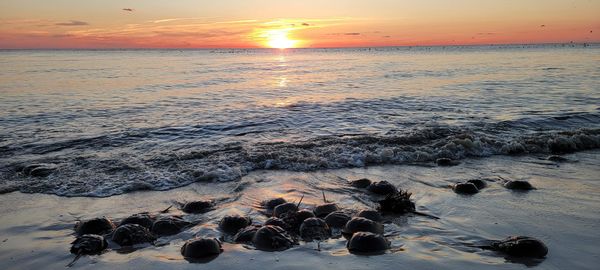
36,229
111,122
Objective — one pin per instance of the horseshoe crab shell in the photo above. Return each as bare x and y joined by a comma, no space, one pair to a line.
465,188
197,207
132,234
277,222
246,234
284,208
359,224
367,243
98,226
360,183
272,238
272,203
480,184
199,248
337,219
382,188
370,214
518,185
89,244
232,224
169,225
446,162
521,246
142,219
314,229
325,209
295,218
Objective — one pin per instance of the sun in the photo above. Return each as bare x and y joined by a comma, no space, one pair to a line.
279,39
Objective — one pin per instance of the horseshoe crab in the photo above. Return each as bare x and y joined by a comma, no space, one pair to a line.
272,238
232,224
88,244
370,214
169,225
284,208
360,183
142,219
295,218
337,219
197,207
446,162
246,234
325,209
480,184
465,188
520,246
272,203
314,229
382,188
200,248
99,226
322,210
132,234
359,224
366,243
518,185
277,222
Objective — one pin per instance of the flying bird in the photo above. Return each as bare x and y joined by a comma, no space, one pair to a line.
128,9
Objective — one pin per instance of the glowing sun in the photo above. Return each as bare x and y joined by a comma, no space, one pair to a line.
278,38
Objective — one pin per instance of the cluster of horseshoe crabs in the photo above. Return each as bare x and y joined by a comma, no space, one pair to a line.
398,201
286,226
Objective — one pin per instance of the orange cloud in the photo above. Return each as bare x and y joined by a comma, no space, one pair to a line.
72,23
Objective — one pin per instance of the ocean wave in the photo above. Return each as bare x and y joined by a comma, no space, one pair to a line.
121,170
161,119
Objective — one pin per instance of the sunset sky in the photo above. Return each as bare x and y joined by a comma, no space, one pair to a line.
280,23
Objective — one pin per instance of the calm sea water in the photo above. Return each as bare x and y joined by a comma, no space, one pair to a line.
99,123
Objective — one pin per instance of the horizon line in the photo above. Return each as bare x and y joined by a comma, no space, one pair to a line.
304,48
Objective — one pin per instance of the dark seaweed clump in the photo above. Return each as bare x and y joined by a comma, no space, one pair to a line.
398,202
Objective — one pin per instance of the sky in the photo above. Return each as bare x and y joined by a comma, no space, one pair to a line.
284,24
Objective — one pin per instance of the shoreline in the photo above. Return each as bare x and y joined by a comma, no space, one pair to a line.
561,212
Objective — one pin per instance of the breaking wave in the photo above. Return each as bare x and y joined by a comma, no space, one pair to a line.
103,166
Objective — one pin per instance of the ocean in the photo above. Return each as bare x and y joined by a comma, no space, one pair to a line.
126,120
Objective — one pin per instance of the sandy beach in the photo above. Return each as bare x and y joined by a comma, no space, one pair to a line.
36,230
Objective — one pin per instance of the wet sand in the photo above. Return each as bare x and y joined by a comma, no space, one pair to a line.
36,229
